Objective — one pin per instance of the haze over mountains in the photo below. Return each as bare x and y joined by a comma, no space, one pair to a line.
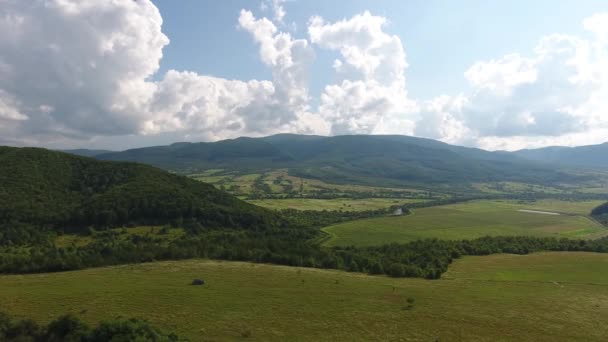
389,160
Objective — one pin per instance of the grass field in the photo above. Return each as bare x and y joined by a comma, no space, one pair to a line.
565,207
563,268
471,220
277,303
281,183
346,204
514,188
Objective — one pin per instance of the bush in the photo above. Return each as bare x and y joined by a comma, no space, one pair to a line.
70,328
129,330
67,328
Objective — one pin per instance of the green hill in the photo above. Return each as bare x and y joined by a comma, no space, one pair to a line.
87,153
591,156
358,159
600,213
64,191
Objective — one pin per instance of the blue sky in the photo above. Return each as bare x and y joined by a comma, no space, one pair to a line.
442,38
495,75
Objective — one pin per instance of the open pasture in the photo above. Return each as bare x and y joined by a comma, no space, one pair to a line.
475,301
471,220
344,204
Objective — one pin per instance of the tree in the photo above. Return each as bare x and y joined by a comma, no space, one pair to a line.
396,270
68,328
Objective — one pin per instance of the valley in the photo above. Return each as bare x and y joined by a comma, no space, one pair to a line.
298,254
301,170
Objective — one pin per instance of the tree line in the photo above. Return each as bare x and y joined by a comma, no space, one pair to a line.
293,247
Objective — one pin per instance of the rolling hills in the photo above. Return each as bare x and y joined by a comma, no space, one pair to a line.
377,160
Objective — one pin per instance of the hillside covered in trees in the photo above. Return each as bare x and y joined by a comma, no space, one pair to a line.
589,156
46,193
65,192
600,213
378,160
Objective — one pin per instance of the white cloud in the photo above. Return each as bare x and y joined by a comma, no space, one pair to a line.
598,24
592,136
437,121
502,75
8,108
277,9
558,95
73,71
373,90
288,58
88,61
186,101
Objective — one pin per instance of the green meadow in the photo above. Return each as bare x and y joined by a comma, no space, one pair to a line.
495,298
471,220
563,268
345,204
280,183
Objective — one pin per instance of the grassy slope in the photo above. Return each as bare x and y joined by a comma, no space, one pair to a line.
471,220
566,207
564,268
282,303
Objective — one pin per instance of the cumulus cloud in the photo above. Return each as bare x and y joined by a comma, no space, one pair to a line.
186,101
8,108
289,60
556,95
373,90
437,121
72,70
77,68
276,6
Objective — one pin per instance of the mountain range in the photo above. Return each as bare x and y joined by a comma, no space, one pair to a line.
590,156
386,160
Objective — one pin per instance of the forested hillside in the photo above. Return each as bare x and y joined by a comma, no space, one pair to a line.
67,192
600,213
87,153
357,159
44,192
590,156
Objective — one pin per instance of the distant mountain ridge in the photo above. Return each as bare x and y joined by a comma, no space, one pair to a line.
590,156
388,160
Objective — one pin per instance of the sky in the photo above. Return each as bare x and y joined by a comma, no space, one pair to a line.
118,74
